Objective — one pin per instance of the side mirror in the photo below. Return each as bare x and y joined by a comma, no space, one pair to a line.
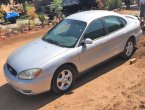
88,41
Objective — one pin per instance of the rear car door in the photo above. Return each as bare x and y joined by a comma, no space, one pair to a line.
116,34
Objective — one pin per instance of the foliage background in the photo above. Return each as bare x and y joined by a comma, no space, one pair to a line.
113,4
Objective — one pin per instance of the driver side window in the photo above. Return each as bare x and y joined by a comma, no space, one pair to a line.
95,30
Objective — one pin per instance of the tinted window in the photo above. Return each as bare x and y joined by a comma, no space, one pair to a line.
113,23
95,30
66,1
123,21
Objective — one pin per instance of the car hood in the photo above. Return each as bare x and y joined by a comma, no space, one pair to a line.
33,55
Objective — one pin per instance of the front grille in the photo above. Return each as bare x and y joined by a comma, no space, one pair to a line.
12,70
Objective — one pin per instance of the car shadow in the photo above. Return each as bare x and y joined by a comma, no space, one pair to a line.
99,70
13,100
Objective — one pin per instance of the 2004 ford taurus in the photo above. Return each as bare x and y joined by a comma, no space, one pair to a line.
76,44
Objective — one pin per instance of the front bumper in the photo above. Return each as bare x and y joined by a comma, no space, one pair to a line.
28,87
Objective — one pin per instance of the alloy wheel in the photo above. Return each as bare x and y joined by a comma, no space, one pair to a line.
64,79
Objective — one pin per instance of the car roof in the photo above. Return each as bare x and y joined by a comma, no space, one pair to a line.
88,16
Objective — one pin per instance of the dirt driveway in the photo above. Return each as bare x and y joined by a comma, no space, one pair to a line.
115,85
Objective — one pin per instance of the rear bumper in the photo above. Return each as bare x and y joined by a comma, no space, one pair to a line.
28,87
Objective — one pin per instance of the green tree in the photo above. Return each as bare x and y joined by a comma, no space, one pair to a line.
41,18
1,14
23,2
113,4
56,7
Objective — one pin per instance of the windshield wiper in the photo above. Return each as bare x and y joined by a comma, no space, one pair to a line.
52,42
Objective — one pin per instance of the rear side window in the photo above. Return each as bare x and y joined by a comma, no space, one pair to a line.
95,29
113,23
123,21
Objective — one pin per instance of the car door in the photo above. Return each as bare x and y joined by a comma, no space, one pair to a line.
116,34
92,54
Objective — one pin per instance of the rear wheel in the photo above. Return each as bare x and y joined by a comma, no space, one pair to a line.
129,48
63,79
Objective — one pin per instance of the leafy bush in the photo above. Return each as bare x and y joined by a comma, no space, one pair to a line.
41,17
30,11
1,16
113,4
56,7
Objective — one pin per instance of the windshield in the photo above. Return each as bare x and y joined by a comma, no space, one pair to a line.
66,33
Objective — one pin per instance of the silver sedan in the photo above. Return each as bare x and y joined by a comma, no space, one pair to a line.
76,44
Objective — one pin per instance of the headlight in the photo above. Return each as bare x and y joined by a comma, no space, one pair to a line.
29,74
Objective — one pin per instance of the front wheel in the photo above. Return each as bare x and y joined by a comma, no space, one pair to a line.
129,49
63,79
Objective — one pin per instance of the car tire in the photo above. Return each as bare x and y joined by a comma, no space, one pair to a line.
129,49
63,79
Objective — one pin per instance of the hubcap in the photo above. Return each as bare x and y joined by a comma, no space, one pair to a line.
64,79
129,48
